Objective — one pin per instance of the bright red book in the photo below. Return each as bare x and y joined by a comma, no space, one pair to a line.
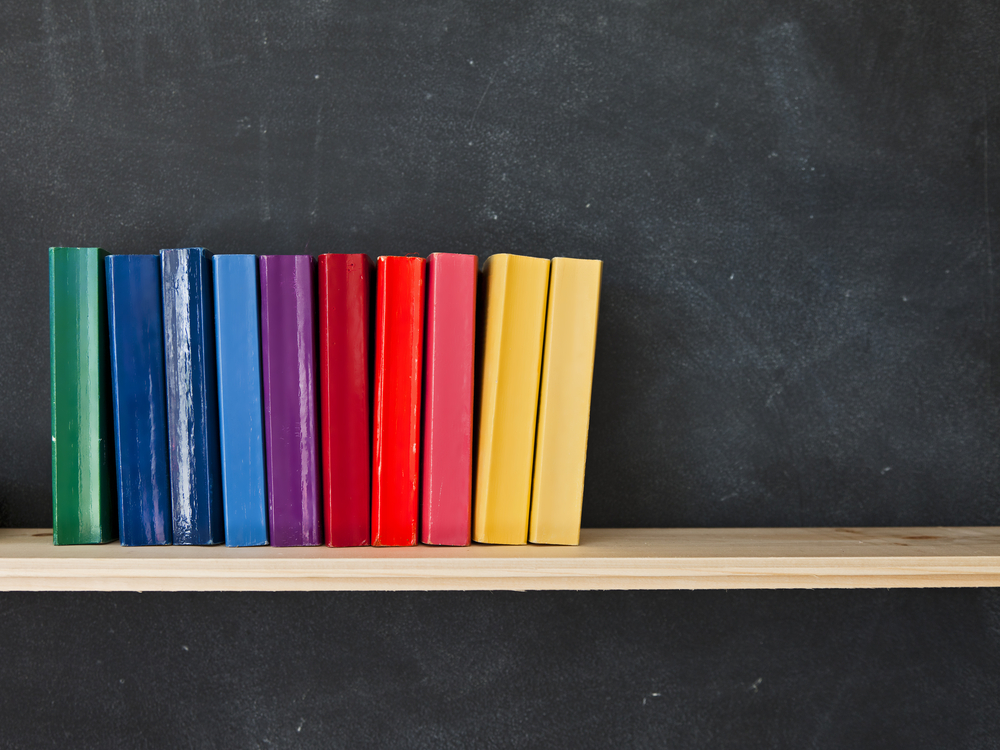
345,385
399,339
446,502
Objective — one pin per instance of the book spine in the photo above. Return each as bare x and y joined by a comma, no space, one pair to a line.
135,332
564,401
288,338
192,407
399,338
345,283
84,504
446,501
515,289
241,419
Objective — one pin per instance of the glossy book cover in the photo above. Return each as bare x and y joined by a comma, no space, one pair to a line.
192,404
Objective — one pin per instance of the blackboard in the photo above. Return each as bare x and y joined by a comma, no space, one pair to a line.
796,206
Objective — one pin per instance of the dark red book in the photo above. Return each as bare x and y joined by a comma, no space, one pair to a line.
446,499
399,339
345,387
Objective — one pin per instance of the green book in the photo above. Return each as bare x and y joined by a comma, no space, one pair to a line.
84,504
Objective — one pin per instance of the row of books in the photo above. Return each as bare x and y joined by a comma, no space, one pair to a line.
201,399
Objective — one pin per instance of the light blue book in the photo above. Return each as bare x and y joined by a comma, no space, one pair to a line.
241,420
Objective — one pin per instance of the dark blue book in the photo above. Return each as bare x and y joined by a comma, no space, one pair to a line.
241,417
192,404
139,393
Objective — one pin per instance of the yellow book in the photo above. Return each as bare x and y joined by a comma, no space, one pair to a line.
514,291
564,402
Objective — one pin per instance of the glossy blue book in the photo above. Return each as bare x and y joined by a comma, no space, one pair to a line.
192,404
139,393
241,418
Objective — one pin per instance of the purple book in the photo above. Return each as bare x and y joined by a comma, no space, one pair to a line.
288,348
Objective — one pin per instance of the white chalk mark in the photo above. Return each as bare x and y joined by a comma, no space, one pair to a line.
314,207
265,198
481,99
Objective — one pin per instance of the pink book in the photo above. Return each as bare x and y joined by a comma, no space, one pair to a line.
446,502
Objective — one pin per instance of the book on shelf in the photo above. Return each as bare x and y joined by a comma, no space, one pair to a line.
84,502
564,401
288,344
139,390
345,283
399,343
241,418
192,403
446,481
515,290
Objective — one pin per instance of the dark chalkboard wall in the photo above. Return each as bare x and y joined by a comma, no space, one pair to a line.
796,206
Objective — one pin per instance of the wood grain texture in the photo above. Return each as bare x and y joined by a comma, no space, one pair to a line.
606,559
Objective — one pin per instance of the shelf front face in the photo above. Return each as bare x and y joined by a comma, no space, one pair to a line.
605,559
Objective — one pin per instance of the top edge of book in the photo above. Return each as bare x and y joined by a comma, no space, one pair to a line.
515,255
78,249
577,260
345,255
507,260
198,251
131,258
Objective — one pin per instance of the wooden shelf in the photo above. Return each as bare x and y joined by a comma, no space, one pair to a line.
605,559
